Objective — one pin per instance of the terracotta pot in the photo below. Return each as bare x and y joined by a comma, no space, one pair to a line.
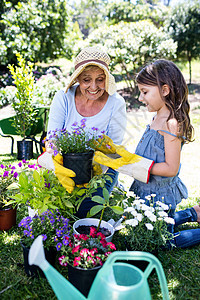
7,218
82,279
94,222
81,164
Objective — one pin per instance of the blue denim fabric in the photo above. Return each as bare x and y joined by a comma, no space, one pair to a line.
185,238
87,203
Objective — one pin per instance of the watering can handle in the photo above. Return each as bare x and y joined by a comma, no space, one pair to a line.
138,255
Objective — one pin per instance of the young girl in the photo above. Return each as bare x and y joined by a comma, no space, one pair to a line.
164,91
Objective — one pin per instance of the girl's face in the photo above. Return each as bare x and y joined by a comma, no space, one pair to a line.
92,83
150,96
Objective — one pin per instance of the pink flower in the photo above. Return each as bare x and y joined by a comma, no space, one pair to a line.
84,251
99,260
101,235
75,249
93,232
76,261
90,259
111,245
83,237
108,253
103,243
61,261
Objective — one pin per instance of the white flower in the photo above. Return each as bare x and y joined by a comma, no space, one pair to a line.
145,207
134,212
169,220
153,195
129,209
152,209
132,222
162,214
152,218
148,197
130,194
163,205
139,217
149,226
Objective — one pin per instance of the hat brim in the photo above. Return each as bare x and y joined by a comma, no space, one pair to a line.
110,86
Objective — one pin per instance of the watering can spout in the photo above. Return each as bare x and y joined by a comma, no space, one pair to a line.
61,286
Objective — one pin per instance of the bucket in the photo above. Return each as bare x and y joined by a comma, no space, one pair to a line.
24,150
81,164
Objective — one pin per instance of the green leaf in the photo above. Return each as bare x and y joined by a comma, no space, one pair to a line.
23,180
36,176
95,209
106,194
98,199
68,204
117,209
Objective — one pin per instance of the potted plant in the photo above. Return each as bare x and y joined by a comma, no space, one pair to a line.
41,190
103,203
26,114
84,255
9,175
76,148
146,226
55,230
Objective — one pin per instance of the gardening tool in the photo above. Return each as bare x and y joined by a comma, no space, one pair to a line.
115,280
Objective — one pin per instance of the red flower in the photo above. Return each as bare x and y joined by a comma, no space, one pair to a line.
111,245
83,237
75,249
93,232
84,251
103,243
101,235
90,259
76,261
100,261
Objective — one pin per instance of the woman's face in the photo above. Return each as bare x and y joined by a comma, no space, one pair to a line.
92,83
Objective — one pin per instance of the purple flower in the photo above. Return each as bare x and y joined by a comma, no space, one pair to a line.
5,174
15,175
13,168
75,124
95,128
55,152
44,237
20,164
65,241
58,232
58,246
2,166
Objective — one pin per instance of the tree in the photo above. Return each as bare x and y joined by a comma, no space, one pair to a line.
37,29
184,27
125,11
131,45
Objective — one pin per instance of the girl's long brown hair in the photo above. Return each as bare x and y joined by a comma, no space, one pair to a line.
162,72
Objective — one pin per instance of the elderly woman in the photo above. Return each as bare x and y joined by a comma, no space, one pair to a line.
90,94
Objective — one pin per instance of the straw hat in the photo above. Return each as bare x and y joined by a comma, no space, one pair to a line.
93,56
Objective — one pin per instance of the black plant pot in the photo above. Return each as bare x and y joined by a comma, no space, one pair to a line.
81,164
33,270
24,149
82,279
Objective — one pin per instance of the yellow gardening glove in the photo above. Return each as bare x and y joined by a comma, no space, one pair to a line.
106,145
46,160
127,163
63,173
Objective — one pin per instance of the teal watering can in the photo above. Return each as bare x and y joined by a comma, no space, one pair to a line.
114,281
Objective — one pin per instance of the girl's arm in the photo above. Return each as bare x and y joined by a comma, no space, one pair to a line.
170,167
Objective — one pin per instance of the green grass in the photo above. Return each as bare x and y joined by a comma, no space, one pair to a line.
181,267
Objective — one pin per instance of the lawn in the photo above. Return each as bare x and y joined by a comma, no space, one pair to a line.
181,267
